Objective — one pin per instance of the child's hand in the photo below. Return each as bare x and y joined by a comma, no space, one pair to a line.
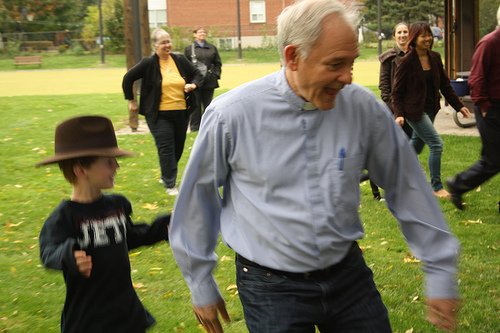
83,262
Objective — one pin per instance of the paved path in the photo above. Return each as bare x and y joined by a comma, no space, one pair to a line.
444,124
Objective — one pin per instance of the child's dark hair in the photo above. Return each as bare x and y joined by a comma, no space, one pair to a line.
67,166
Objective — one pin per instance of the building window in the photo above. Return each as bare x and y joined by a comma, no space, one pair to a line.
257,11
157,13
157,18
226,43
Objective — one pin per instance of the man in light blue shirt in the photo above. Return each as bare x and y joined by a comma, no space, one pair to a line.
275,168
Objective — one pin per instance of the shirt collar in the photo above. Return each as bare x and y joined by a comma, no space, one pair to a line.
200,44
290,96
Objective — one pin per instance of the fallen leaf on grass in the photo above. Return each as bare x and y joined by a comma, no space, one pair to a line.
233,289
410,259
11,225
409,331
478,221
138,285
414,299
226,258
153,206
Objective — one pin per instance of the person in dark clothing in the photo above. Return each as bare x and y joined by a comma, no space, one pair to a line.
388,61
88,236
168,82
203,52
418,81
484,82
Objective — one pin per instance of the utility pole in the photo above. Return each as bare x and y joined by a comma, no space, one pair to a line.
136,28
101,37
379,29
137,41
240,56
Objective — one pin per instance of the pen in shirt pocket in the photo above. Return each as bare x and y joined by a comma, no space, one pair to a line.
341,158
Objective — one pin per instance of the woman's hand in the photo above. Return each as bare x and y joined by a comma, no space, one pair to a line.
400,121
189,87
465,112
132,105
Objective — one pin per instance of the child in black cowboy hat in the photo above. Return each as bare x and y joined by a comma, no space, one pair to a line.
88,236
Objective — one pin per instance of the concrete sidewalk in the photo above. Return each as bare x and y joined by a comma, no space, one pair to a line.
444,124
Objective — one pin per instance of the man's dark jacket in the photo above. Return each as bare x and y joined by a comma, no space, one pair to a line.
409,89
148,69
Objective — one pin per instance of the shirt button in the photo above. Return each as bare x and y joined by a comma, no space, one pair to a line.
245,269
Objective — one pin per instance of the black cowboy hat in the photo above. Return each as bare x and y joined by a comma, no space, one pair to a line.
85,136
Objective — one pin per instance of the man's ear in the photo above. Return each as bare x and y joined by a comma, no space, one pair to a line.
291,54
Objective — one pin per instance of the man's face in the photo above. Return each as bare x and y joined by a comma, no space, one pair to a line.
328,67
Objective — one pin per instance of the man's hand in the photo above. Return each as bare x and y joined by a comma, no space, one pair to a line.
465,112
83,262
442,313
400,121
208,316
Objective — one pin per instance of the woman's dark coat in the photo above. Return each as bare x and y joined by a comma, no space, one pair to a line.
208,55
409,88
148,69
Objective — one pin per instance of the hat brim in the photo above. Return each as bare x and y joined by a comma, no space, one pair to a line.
110,152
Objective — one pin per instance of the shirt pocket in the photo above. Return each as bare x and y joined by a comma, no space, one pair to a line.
344,190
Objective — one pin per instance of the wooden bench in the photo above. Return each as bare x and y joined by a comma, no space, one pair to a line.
28,60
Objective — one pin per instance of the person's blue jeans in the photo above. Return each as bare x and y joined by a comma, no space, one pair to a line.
424,129
345,299
419,144
169,133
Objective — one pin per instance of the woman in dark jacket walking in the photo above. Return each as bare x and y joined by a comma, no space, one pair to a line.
168,82
418,81
208,55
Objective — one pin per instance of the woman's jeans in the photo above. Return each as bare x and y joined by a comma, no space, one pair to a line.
425,131
342,298
169,133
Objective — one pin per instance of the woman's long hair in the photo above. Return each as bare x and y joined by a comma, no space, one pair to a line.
417,29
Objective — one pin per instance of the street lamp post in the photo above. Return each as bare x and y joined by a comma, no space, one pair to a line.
239,29
379,29
101,37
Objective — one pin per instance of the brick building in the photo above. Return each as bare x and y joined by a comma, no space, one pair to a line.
220,17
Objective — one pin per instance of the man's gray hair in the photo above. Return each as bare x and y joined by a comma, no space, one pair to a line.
300,23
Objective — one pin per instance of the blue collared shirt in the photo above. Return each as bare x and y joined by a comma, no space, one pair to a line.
280,180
